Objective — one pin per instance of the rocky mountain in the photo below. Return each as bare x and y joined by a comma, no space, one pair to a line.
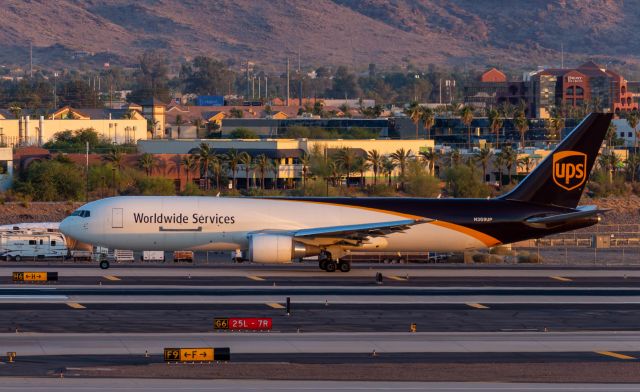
474,33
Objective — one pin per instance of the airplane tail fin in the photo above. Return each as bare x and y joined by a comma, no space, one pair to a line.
561,177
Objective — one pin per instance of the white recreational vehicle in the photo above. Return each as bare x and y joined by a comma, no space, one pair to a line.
28,244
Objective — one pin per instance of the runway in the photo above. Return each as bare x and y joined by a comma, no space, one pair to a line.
489,320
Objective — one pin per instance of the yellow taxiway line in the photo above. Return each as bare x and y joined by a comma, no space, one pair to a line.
111,277
75,305
275,305
253,277
615,355
478,306
560,278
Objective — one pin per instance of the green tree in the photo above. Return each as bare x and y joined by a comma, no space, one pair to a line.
263,165
345,158
233,159
461,181
361,166
522,125
495,123
147,162
633,119
555,125
190,163
305,161
376,160
428,118
401,157
415,114
242,133
246,161
429,157
483,156
236,113
205,155
388,166
466,116
54,180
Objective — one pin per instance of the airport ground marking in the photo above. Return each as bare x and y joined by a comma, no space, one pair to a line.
275,305
111,277
478,306
394,277
615,355
254,277
75,305
560,278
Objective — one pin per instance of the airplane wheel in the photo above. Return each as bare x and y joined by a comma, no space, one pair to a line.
323,264
331,266
344,266
104,264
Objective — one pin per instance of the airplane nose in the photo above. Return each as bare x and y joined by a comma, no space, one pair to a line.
68,227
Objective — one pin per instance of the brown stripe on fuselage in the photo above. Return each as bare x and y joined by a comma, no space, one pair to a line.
480,236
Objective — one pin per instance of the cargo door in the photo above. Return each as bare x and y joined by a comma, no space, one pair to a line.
116,218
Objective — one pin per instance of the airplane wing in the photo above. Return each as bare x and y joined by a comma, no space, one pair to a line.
350,233
558,219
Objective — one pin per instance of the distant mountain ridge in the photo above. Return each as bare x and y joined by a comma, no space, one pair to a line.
471,33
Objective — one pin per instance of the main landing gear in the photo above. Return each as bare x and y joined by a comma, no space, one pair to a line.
328,264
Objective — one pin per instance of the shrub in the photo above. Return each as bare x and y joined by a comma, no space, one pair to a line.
463,182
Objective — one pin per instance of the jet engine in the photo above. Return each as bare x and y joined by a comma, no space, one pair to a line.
278,248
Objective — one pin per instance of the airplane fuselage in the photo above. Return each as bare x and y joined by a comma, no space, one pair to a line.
217,224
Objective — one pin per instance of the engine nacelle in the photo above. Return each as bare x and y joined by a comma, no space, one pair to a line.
277,248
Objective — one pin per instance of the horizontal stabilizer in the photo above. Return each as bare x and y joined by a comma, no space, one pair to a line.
559,219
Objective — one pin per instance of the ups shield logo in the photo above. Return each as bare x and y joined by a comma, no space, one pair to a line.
569,169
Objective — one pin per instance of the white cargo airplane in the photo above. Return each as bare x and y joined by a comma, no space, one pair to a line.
280,230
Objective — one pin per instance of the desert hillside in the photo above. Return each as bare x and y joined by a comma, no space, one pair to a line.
461,32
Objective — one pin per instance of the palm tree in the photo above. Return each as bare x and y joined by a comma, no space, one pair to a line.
15,110
115,157
376,160
345,158
179,122
216,166
429,157
633,164
233,158
429,119
466,116
305,161
198,123
263,164
510,159
401,158
483,156
495,123
525,162
522,125
147,162
205,157
633,118
190,162
555,125
246,161
415,114
361,165
455,157
388,165
499,162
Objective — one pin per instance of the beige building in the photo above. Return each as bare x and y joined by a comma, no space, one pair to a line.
286,152
37,131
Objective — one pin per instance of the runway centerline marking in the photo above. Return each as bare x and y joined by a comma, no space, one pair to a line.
275,305
75,305
615,355
254,277
111,277
478,306
394,277
560,278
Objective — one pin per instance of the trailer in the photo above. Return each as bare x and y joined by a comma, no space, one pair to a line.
152,255
31,244
183,255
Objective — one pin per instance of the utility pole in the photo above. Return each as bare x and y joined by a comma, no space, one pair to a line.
247,80
266,89
287,81
55,95
87,174
30,59
562,55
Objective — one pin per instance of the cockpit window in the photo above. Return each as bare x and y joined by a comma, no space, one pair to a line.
81,213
